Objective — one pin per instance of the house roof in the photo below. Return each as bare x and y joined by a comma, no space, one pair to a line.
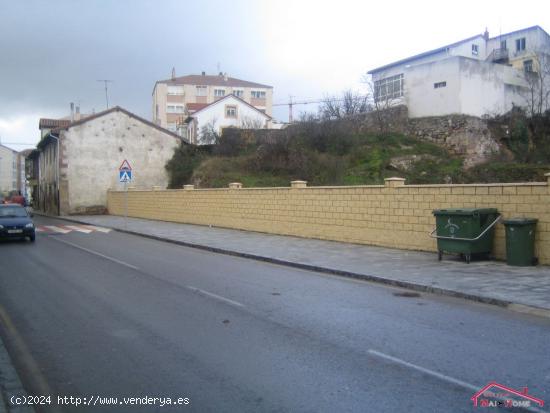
52,123
195,106
444,48
55,131
421,55
212,80
13,150
509,390
519,31
231,95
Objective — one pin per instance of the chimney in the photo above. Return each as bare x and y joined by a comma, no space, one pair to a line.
204,73
486,34
77,114
525,391
173,73
225,76
221,74
72,112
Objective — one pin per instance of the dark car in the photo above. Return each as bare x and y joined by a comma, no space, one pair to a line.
15,222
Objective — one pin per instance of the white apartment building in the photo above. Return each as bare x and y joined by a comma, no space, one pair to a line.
12,171
176,98
475,76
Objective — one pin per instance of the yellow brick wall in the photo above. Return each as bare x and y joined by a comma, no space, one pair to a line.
394,215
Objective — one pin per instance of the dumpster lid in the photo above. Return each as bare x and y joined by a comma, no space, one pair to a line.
465,211
520,221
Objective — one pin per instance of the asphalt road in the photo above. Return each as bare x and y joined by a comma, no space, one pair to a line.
113,315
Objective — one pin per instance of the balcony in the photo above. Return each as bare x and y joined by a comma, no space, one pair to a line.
499,56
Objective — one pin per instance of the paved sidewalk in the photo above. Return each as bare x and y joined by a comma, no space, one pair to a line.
486,281
10,385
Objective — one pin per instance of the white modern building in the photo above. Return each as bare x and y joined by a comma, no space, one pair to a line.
12,171
475,76
227,112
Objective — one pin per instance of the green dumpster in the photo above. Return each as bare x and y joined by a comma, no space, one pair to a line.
465,231
520,241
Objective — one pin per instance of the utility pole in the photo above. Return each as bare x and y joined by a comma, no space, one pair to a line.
290,109
106,81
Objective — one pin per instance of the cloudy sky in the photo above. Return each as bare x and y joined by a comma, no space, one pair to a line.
54,51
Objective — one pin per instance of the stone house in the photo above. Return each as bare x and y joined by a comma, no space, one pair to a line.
77,161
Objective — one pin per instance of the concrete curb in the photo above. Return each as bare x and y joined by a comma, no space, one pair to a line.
543,312
10,385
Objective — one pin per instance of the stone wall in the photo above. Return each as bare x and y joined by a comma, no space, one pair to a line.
463,135
391,215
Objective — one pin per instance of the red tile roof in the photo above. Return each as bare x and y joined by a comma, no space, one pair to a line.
193,107
52,123
210,80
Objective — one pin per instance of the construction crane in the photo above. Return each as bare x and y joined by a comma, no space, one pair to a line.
292,103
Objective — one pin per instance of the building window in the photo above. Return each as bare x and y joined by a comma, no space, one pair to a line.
238,93
201,90
440,85
219,93
175,109
230,111
257,94
175,90
475,49
520,44
388,88
528,65
503,44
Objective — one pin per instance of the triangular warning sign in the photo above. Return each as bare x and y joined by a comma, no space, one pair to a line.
125,166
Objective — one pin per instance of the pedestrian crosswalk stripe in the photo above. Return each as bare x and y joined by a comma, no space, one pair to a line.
79,229
58,229
94,228
66,229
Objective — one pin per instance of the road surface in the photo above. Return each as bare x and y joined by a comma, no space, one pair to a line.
99,315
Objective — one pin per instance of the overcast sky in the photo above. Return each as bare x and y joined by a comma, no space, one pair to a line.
52,52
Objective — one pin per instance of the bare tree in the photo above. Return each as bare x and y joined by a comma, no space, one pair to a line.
537,75
349,103
209,133
252,123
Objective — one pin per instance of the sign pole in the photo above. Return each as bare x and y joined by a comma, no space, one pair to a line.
125,176
125,205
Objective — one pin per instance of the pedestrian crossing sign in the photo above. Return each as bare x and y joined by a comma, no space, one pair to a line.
125,172
125,175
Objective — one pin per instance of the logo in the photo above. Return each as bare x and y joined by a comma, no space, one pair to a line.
498,395
452,227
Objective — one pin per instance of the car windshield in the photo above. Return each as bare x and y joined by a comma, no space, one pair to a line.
12,212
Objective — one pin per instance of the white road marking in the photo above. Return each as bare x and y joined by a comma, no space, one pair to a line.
78,229
39,229
58,229
441,376
94,228
95,253
216,296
